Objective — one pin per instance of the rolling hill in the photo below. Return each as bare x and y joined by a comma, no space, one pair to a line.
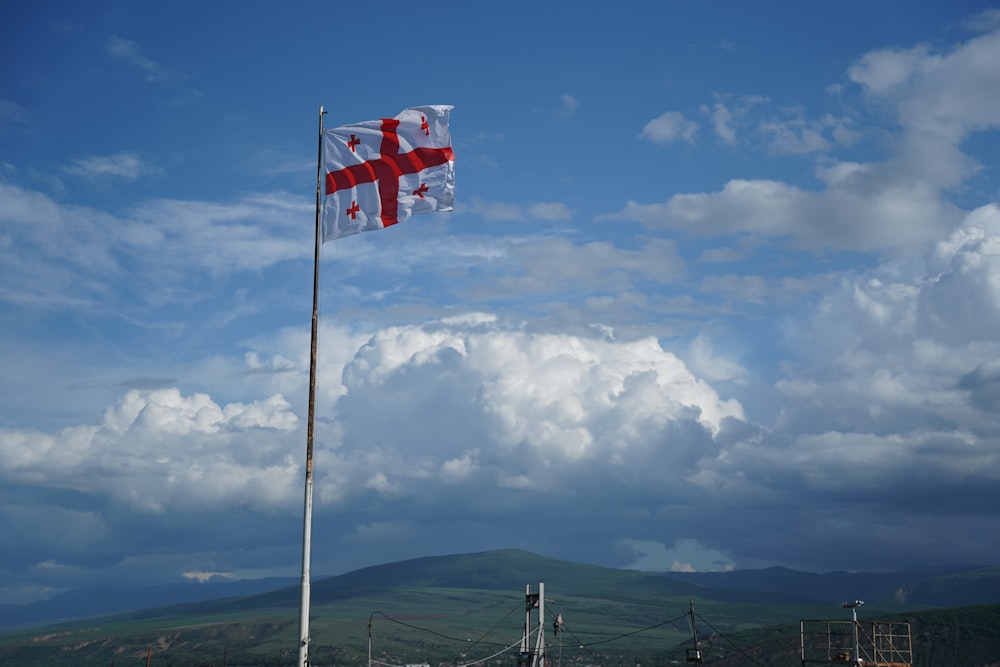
450,609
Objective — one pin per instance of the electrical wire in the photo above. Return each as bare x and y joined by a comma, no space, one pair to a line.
463,664
519,605
730,642
623,636
562,628
490,657
428,630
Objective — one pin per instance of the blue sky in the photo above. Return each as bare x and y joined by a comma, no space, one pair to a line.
721,288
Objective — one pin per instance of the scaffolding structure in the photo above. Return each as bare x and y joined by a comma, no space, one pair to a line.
866,644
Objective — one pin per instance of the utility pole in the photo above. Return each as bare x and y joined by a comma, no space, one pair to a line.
533,657
693,653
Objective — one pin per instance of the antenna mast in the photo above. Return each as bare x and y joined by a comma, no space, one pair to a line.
533,657
694,653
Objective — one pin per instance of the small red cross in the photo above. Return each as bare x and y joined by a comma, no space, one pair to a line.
353,142
353,211
424,126
386,170
421,190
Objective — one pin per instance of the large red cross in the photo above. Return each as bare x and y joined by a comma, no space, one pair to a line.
387,169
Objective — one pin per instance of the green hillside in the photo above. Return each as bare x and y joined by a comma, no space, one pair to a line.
960,637
455,610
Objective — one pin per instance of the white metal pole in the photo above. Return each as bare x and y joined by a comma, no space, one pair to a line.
306,557
527,619
311,420
854,627
540,641
854,617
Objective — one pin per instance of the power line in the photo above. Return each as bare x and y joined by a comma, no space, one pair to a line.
634,632
562,628
730,642
429,631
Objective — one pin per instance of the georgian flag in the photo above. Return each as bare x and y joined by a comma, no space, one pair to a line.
380,172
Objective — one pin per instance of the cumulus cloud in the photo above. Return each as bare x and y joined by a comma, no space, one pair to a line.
850,214
466,404
876,330
149,451
157,469
685,555
891,406
564,397
600,386
669,127
938,98
885,413
924,88
890,386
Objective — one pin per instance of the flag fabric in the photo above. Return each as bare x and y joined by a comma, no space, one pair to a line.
380,172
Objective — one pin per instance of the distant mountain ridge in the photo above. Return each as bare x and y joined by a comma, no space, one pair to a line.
448,599
110,599
953,586
510,570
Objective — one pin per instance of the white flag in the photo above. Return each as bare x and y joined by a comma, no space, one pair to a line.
380,172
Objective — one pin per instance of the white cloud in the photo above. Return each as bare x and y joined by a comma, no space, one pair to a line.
75,254
857,215
794,136
669,127
550,211
950,94
722,119
595,266
897,344
566,398
939,99
467,404
569,104
128,51
711,364
126,166
203,576
988,19
727,117
159,449
515,212
588,377
497,210
685,555
887,71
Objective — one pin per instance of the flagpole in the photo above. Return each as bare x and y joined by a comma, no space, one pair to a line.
307,510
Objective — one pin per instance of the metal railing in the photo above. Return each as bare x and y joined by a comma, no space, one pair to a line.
879,643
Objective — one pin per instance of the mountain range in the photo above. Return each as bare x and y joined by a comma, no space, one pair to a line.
456,596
